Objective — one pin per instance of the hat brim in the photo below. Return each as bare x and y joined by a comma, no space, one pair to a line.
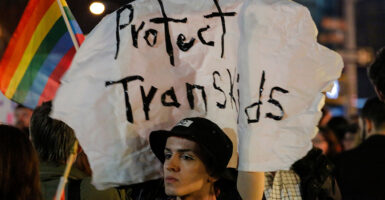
159,138
158,142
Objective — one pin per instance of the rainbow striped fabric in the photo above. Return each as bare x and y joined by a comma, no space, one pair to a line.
38,54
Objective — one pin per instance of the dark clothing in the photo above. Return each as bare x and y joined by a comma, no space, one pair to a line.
79,185
360,172
154,190
149,190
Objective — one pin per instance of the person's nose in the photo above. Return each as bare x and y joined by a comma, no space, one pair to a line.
173,164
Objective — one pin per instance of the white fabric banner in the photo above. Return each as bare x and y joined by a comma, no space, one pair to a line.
253,67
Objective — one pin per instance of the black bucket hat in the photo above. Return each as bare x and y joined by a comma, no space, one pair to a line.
204,132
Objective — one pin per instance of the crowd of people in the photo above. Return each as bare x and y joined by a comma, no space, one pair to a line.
345,163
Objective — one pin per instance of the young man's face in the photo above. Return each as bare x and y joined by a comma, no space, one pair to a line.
184,173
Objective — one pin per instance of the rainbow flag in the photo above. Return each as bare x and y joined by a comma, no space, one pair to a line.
39,53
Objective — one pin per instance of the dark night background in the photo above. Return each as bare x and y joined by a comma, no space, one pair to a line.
370,24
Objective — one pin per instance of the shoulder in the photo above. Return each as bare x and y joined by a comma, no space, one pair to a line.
149,190
227,190
347,155
89,192
371,148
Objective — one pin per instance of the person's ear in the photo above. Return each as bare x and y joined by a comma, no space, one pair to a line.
212,179
380,94
368,126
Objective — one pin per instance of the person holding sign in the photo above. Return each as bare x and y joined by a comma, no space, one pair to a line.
195,154
254,67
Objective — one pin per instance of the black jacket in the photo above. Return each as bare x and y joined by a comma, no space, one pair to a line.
154,190
360,172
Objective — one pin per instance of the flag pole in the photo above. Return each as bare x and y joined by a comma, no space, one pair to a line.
65,17
63,180
72,157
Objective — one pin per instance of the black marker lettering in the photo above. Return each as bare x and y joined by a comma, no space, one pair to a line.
165,20
124,83
258,103
135,33
154,33
190,95
231,91
210,43
147,99
182,45
222,16
276,103
171,94
219,105
122,26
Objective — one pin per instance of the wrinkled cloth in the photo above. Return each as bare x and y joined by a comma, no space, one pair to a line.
258,72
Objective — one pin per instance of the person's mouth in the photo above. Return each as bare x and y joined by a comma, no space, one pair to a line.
170,179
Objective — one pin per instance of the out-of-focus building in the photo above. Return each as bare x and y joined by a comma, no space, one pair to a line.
332,20
330,17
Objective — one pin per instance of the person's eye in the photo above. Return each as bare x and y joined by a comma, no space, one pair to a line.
187,157
167,155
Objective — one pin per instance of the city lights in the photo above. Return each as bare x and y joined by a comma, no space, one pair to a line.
333,94
97,8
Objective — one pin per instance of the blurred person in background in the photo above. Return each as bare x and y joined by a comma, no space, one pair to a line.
327,142
339,126
360,171
53,140
346,133
23,118
19,173
376,74
351,137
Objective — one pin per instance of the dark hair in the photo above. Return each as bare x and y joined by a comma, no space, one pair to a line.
374,109
339,126
20,106
333,143
225,187
313,170
53,139
19,173
376,70
208,161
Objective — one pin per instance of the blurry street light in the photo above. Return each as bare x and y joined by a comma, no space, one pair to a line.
334,93
97,8
365,56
